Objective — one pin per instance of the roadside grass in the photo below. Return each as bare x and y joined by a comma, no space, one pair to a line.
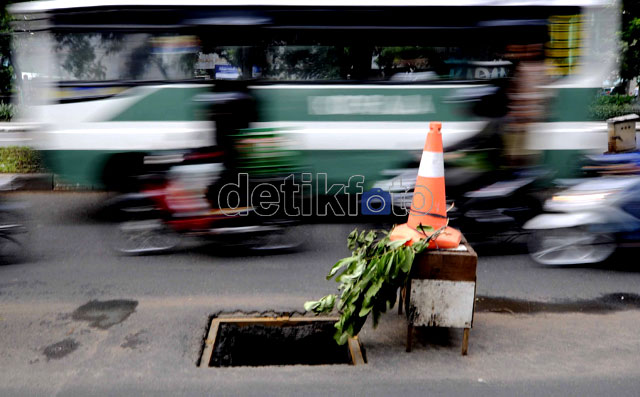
19,159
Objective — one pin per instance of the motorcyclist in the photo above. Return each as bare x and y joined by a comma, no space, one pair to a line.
232,109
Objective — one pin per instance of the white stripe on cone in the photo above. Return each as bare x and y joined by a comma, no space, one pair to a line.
431,165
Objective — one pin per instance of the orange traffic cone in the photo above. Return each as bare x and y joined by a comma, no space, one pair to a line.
429,205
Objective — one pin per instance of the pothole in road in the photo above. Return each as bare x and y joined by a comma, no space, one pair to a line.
60,349
262,341
105,314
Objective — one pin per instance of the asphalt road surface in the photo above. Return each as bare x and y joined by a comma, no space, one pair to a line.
76,318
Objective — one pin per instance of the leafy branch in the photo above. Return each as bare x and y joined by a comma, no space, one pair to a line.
369,279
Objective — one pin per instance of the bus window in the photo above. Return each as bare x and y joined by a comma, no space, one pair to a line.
416,63
124,56
34,66
229,63
300,62
271,62
406,63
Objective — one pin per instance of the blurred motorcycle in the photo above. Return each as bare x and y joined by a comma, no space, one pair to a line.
587,222
174,205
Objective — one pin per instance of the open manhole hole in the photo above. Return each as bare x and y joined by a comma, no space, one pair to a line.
260,341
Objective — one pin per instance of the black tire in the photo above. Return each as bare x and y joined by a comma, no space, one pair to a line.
145,237
570,246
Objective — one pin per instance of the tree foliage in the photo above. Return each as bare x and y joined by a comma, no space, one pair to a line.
6,69
630,35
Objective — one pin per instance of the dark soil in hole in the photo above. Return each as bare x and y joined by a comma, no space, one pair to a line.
256,345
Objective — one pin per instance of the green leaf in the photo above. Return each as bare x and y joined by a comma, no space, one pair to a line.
339,265
381,265
353,272
370,237
396,243
324,305
349,330
420,246
365,310
373,290
341,337
425,228
327,303
361,236
405,266
311,305
397,266
360,268
383,242
370,272
352,240
390,263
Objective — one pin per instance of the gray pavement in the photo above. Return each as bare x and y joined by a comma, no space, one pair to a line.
154,350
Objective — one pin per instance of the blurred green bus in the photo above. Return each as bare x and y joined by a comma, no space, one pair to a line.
351,84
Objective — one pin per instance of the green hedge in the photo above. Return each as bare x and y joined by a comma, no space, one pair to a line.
614,100
17,159
608,106
7,111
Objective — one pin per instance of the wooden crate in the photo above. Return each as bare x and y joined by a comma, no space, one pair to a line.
441,291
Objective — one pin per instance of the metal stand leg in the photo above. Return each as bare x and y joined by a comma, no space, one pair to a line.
409,336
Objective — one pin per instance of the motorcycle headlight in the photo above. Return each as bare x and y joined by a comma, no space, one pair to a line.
579,198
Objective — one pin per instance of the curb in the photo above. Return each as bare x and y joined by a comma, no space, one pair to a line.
41,181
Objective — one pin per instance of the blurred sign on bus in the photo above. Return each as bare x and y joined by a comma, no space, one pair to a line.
227,72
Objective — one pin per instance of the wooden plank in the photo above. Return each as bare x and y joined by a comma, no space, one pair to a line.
209,344
273,321
465,341
356,351
443,268
446,265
